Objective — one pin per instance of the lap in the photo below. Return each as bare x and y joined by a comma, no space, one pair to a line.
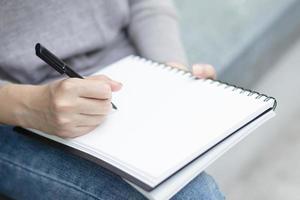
34,170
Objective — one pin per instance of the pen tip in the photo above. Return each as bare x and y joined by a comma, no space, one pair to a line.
114,106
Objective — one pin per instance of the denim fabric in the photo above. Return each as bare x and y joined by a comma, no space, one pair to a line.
33,170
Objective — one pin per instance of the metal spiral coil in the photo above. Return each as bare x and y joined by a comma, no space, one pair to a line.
211,81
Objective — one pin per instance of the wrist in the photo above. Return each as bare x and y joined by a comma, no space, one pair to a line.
31,108
21,103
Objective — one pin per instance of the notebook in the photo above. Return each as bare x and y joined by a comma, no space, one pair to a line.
175,183
166,120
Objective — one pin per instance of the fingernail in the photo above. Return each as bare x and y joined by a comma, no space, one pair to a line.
120,84
116,83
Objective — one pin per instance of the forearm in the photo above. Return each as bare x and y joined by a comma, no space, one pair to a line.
16,103
155,32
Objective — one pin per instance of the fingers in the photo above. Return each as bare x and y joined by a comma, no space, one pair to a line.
78,131
81,124
93,106
204,71
115,85
199,70
98,87
177,65
94,89
81,130
72,129
83,120
76,106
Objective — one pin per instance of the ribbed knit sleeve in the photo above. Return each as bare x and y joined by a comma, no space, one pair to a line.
154,30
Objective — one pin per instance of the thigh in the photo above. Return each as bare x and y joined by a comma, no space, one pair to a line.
34,170
203,187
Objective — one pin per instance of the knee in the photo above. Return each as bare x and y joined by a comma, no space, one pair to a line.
201,187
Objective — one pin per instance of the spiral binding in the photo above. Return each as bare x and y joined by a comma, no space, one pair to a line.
211,81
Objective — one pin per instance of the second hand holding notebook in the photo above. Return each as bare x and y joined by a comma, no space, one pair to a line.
166,120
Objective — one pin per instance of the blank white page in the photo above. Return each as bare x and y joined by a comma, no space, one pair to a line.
165,118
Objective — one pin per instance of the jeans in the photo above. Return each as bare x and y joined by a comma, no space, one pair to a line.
30,169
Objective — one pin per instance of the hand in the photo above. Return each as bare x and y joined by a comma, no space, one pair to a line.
198,70
72,107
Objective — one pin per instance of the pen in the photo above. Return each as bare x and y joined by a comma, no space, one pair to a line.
57,63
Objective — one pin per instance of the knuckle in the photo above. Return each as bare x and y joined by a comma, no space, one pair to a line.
106,108
61,121
60,105
67,84
106,90
57,104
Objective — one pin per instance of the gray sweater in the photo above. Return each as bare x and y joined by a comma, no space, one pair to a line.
86,34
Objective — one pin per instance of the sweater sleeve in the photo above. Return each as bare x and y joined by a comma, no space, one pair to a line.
154,30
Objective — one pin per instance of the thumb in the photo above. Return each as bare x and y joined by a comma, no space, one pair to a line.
115,85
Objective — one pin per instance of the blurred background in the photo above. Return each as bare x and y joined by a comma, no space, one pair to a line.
254,44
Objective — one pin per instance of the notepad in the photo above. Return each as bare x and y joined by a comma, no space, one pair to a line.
166,119
175,183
